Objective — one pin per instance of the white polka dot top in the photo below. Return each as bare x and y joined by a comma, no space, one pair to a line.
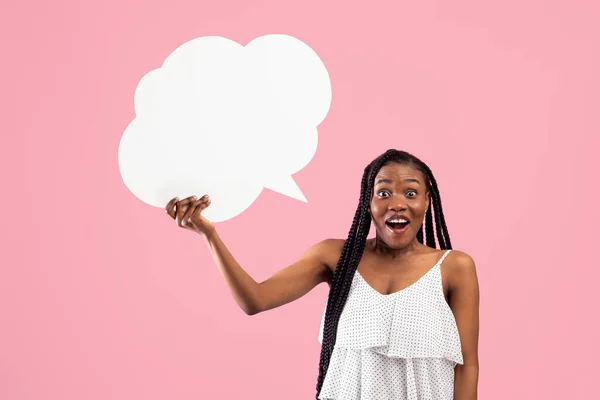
401,346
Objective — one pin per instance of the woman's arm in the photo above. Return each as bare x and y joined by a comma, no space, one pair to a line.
283,287
287,285
464,302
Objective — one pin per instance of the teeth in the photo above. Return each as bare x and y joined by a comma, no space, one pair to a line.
397,221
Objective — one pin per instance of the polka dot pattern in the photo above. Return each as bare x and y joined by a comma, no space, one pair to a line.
401,346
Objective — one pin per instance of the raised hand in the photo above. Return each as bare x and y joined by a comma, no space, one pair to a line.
188,214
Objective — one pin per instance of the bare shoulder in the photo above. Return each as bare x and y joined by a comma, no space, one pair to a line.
461,259
461,267
328,251
460,262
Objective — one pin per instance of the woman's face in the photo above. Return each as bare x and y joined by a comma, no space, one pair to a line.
398,204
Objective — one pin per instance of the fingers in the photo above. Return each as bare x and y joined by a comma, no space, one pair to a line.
185,220
202,203
170,208
198,206
181,208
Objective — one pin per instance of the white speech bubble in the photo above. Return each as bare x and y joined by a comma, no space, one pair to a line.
226,120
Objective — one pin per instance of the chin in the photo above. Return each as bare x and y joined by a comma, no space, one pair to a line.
396,244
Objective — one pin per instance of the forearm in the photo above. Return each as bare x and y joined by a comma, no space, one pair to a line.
465,382
242,286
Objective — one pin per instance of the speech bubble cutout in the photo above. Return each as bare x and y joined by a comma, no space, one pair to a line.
226,120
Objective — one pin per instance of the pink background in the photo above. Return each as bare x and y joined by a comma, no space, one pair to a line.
102,297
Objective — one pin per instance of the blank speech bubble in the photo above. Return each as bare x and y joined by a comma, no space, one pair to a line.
226,120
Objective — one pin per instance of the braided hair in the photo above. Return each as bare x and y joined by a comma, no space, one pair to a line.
355,244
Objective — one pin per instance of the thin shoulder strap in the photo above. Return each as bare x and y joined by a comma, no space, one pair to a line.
444,256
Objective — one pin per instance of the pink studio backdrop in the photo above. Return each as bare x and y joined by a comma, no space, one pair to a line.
102,297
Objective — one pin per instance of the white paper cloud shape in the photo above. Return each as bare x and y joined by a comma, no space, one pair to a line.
226,120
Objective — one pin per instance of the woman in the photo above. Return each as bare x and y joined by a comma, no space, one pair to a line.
402,318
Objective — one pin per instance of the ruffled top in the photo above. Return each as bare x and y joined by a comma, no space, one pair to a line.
404,345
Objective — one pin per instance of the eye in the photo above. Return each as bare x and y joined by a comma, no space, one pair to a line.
412,191
383,193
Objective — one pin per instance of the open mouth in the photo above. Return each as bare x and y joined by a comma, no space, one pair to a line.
397,227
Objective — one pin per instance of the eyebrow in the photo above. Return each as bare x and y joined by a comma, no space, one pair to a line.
384,180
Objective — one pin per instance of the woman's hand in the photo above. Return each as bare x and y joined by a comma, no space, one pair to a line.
188,214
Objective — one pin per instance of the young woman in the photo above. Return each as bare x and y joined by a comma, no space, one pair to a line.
402,317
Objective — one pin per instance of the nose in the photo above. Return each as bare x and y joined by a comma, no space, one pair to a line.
397,204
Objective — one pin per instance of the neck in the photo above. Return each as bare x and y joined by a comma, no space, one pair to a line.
379,247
